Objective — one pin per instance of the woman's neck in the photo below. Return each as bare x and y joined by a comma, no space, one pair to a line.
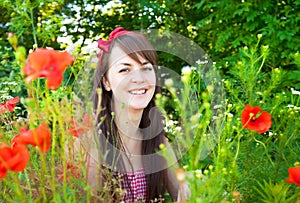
128,121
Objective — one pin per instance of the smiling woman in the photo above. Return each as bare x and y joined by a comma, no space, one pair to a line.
128,126
132,82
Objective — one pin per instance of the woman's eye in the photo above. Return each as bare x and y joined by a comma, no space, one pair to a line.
148,68
123,70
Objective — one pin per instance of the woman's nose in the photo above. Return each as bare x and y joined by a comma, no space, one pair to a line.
137,76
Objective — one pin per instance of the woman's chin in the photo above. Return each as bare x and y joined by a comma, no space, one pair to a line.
137,106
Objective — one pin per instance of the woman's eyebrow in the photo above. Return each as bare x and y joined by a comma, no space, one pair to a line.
145,63
124,64
129,64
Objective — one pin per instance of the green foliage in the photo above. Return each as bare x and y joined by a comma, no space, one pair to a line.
220,28
11,82
225,26
276,193
241,159
34,22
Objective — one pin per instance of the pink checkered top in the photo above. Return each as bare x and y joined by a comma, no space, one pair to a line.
138,184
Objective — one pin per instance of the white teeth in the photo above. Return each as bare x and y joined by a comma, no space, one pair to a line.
138,91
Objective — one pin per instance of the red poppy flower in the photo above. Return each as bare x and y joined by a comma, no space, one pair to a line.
47,63
13,158
9,105
40,137
294,176
255,119
80,128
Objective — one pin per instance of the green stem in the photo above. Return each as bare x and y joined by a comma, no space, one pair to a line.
29,185
237,149
42,176
53,153
42,156
265,148
247,169
261,65
184,115
17,188
33,27
63,144
252,80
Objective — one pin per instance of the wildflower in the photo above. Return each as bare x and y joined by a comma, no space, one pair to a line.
162,146
200,62
277,70
230,115
215,118
180,174
169,83
265,47
158,96
295,91
186,71
206,105
72,171
294,176
199,173
20,54
49,64
210,88
255,119
12,38
185,78
13,158
218,106
40,137
80,128
9,105
259,36
237,196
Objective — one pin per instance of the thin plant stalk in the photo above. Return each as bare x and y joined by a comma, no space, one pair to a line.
28,184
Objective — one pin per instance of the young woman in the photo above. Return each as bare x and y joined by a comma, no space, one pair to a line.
129,128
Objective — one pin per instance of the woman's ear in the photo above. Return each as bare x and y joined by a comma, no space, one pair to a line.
106,84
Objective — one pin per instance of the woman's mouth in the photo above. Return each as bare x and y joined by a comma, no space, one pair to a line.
138,92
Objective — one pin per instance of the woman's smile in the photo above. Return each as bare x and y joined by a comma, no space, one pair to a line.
138,92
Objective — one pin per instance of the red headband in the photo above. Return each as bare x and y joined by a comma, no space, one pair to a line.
104,45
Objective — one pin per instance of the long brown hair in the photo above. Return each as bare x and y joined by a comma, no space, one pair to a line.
134,45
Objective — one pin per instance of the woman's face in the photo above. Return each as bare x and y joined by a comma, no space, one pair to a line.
132,83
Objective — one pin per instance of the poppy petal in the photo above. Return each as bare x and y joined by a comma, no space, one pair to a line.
25,137
40,137
294,176
9,105
13,158
43,137
47,63
23,155
54,79
39,59
252,121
